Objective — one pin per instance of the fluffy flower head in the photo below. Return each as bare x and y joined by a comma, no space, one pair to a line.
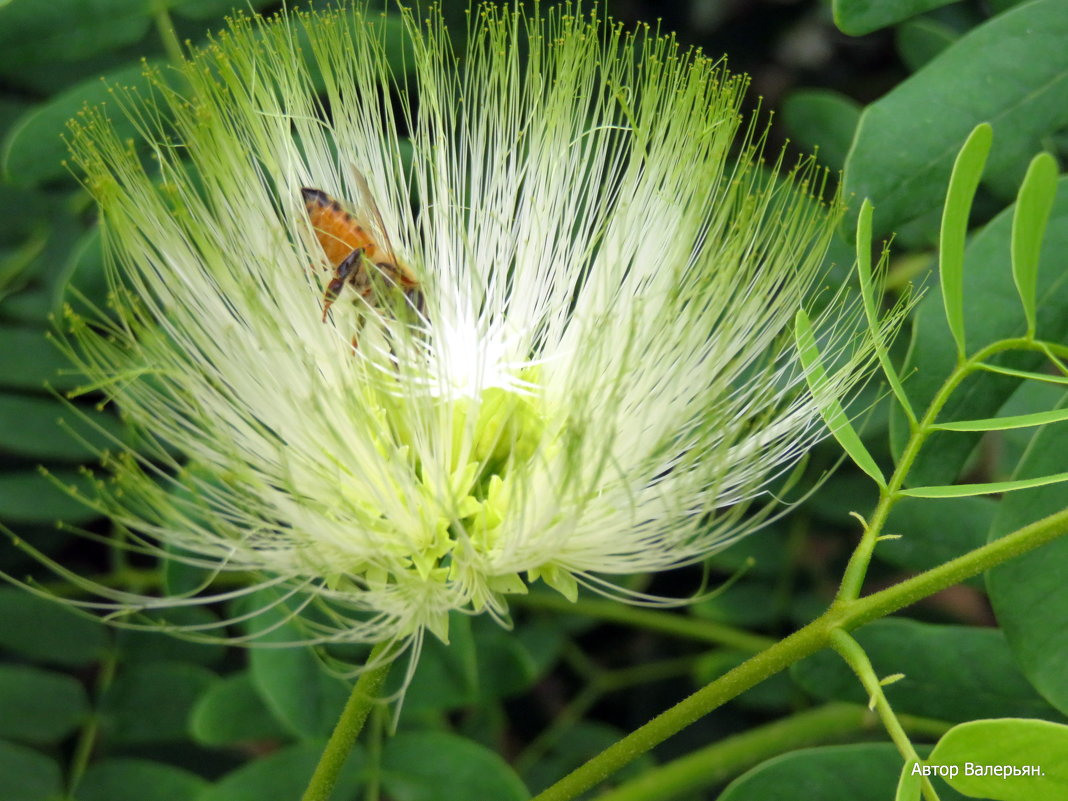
594,376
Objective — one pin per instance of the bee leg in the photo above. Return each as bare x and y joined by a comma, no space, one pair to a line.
342,275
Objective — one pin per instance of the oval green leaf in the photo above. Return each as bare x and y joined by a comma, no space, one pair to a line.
28,360
858,17
34,151
27,775
990,753
47,631
963,181
284,775
1033,207
48,429
34,33
865,772
992,488
292,681
1029,593
437,766
138,780
824,121
988,318
27,496
39,706
231,711
1011,71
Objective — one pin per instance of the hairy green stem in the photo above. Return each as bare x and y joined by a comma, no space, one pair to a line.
165,29
854,656
723,760
813,637
353,716
857,568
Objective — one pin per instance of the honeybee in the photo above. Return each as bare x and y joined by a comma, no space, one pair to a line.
352,250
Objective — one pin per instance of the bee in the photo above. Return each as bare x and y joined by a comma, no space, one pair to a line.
353,251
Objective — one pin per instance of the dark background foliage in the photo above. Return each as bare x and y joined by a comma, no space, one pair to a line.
106,714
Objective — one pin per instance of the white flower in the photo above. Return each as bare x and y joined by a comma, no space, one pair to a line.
601,377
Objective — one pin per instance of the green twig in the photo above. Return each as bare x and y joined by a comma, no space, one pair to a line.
847,615
854,656
353,716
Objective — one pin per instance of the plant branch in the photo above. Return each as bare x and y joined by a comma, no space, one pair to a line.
854,656
813,637
723,760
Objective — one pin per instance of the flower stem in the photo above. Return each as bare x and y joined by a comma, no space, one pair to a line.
854,656
816,635
353,716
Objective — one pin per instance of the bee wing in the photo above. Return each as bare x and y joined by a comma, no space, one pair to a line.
367,205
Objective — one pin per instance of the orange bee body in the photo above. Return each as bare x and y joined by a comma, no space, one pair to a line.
350,249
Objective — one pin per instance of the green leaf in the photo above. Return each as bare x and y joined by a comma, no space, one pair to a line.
952,673
151,703
920,40
34,33
231,711
26,775
436,766
138,780
865,772
908,786
47,631
858,17
27,496
963,181
871,313
1029,593
935,531
1047,378
1006,423
824,120
34,150
830,409
284,775
292,681
1035,745
1012,72
987,283
994,487
39,706
28,359
1033,207
47,429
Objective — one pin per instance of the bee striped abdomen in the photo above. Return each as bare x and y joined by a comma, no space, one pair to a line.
337,231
